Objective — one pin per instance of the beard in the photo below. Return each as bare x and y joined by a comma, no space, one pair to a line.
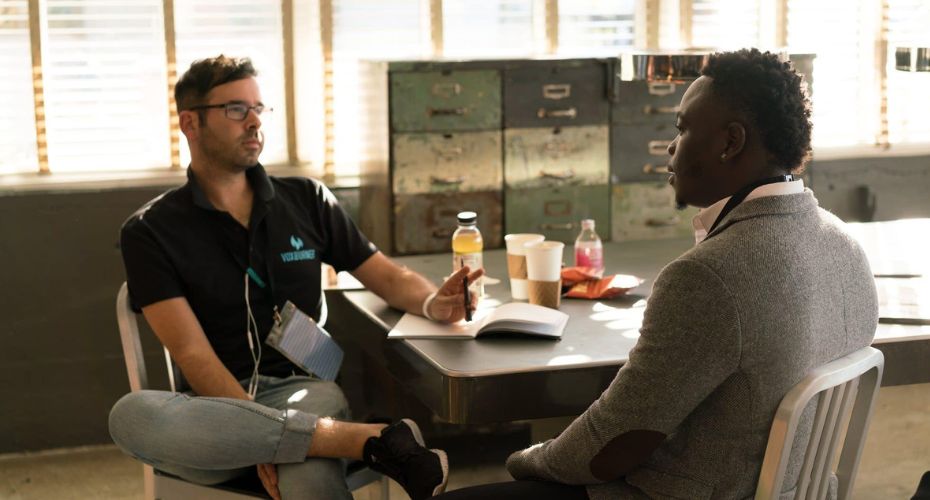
232,155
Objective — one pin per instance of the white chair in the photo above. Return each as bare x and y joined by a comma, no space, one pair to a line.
163,486
847,388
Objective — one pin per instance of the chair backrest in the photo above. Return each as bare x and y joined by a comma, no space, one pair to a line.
847,388
128,323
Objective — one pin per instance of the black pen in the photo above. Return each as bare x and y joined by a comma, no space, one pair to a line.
467,298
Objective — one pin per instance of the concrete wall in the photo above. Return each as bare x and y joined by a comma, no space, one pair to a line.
61,364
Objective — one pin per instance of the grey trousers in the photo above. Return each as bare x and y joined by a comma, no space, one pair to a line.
212,440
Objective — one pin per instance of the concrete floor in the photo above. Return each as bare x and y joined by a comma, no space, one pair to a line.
897,453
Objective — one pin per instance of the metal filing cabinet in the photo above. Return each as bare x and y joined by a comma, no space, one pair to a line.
444,155
643,124
556,143
646,211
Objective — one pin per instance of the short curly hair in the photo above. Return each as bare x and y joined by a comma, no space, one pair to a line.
770,93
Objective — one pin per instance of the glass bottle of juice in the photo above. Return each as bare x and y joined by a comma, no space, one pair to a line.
467,247
589,252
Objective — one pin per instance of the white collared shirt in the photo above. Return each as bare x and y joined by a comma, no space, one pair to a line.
706,217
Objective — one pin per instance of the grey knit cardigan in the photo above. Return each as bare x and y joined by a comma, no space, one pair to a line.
775,290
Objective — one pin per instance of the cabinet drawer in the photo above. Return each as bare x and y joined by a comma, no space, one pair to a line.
557,211
424,223
556,94
435,163
639,153
641,102
646,211
445,101
542,157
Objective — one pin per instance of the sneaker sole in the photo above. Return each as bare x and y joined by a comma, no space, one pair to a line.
443,458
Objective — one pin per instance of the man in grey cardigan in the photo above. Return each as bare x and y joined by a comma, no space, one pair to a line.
773,288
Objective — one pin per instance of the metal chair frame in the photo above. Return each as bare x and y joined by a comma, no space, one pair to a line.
159,485
847,388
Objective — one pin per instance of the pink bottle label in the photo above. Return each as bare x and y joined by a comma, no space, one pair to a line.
589,257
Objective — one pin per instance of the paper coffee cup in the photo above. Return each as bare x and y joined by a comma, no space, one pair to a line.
516,261
544,272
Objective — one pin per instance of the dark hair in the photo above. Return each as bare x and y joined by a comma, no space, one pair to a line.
770,93
205,74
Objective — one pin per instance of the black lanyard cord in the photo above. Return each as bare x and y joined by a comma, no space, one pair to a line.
741,195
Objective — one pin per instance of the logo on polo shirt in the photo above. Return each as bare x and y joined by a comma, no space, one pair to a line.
298,254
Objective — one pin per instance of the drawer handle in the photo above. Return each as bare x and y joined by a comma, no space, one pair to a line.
446,89
448,153
659,148
557,113
660,110
550,226
649,168
563,176
557,208
673,220
556,91
661,88
442,234
447,181
447,111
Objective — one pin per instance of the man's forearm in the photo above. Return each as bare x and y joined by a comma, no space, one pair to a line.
207,376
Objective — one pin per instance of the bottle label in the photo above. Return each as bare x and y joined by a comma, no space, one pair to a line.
474,262
589,257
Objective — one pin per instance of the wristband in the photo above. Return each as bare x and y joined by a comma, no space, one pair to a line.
426,304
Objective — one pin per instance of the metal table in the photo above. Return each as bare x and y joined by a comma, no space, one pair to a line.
505,379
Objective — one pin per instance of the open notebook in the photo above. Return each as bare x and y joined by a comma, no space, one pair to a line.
514,319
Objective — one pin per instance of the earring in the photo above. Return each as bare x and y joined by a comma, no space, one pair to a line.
723,157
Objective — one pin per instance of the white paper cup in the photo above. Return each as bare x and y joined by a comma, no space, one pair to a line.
544,272
516,261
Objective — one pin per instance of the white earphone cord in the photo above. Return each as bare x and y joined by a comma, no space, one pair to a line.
251,328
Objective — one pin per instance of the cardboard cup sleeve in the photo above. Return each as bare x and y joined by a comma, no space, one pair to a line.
516,266
544,293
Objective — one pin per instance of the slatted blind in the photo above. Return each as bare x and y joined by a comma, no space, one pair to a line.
725,24
368,30
908,104
17,121
845,109
104,67
595,27
489,28
238,28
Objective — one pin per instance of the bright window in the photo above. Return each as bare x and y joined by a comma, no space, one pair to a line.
17,119
725,24
104,67
238,28
908,105
489,28
595,27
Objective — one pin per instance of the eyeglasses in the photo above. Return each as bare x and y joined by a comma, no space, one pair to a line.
235,110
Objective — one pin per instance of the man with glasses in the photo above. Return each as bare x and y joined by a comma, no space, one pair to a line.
209,263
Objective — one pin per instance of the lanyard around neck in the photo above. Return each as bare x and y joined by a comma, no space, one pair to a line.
741,195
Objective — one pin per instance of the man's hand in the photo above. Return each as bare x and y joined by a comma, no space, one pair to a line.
269,476
449,304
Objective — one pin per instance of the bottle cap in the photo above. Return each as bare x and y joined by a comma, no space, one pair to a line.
467,217
587,224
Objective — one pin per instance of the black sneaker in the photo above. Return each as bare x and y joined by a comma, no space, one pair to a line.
401,454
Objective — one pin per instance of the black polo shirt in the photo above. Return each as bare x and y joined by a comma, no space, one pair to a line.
180,245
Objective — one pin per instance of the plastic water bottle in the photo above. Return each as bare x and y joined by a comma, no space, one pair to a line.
467,247
589,252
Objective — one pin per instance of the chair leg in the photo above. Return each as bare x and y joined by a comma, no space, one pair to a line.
148,482
385,488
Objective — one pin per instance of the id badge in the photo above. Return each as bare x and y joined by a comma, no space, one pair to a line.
296,336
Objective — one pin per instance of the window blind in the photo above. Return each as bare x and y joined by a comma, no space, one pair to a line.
595,27
238,28
845,109
367,30
908,108
725,24
489,28
104,67
18,140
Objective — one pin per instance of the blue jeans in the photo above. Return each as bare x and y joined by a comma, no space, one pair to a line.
212,440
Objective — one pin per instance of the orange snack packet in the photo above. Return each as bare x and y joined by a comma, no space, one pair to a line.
595,287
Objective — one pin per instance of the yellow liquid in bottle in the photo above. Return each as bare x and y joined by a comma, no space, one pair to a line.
467,246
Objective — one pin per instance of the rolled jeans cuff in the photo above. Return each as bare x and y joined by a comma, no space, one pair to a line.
296,436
